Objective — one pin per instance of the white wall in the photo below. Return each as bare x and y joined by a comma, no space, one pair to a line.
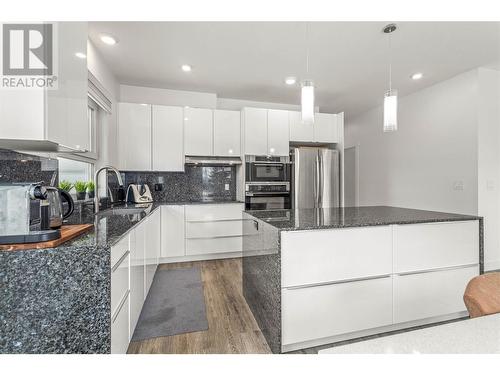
434,147
150,95
489,163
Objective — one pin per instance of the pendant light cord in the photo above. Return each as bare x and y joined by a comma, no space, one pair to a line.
390,64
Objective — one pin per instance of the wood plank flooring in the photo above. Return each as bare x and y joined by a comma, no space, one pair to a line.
232,327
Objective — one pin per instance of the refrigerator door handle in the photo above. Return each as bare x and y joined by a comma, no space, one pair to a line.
317,182
320,181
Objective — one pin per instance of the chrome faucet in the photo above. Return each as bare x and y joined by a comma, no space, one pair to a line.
96,180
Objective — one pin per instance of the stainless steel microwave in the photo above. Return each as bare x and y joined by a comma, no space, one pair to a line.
267,169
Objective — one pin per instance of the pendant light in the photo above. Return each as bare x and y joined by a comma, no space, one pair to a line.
391,96
307,91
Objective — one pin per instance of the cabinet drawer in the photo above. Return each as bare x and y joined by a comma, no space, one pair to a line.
120,329
209,212
213,246
425,295
320,256
214,228
435,245
119,281
118,249
322,311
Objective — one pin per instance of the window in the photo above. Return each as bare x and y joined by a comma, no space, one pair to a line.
74,170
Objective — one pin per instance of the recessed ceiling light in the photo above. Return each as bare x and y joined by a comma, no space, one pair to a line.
417,76
108,39
80,55
186,68
290,80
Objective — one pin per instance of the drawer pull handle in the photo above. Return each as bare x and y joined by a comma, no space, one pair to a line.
120,305
338,282
120,261
214,237
437,269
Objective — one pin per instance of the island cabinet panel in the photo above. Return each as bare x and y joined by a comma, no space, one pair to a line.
435,245
137,241
430,294
319,256
120,329
313,313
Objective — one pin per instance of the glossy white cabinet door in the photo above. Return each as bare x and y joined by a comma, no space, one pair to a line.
153,239
299,132
211,212
227,133
277,133
318,256
435,245
120,329
329,310
134,136
255,124
430,294
120,281
172,231
198,131
325,128
168,138
137,241
201,246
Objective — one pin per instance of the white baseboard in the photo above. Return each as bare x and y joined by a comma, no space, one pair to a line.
373,331
194,258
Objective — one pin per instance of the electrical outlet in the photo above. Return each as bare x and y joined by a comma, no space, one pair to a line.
458,185
226,186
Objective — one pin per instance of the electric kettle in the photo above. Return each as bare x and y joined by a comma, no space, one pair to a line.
54,207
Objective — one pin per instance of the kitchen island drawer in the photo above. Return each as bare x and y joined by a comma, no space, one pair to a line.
119,281
214,245
120,328
211,212
430,294
318,312
118,249
318,256
214,228
435,245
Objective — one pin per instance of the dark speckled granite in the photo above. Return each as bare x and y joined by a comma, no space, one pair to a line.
19,167
261,249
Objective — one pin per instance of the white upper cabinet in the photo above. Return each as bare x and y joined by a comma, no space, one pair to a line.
277,132
227,133
168,138
325,128
299,132
255,120
58,116
134,136
198,131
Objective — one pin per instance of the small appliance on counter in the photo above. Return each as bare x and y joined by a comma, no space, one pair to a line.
24,214
139,193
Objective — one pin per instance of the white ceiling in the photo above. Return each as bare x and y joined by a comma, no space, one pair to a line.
249,60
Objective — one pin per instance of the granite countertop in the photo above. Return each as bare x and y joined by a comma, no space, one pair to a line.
471,336
325,218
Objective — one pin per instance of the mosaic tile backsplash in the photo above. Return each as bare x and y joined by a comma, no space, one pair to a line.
197,183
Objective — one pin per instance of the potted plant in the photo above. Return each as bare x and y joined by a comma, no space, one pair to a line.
91,189
81,190
65,185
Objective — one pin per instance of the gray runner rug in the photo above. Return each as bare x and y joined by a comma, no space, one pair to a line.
175,304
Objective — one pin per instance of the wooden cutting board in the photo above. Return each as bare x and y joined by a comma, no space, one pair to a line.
68,232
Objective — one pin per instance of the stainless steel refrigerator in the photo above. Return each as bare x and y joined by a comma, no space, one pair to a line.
315,177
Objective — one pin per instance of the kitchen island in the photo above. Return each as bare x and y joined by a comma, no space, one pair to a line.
318,276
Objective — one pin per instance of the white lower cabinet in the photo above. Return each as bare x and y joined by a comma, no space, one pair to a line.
339,283
120,328
172,231
137,238
313,313
132,273
430,294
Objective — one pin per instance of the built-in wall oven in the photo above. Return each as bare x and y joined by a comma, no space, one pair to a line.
267,185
